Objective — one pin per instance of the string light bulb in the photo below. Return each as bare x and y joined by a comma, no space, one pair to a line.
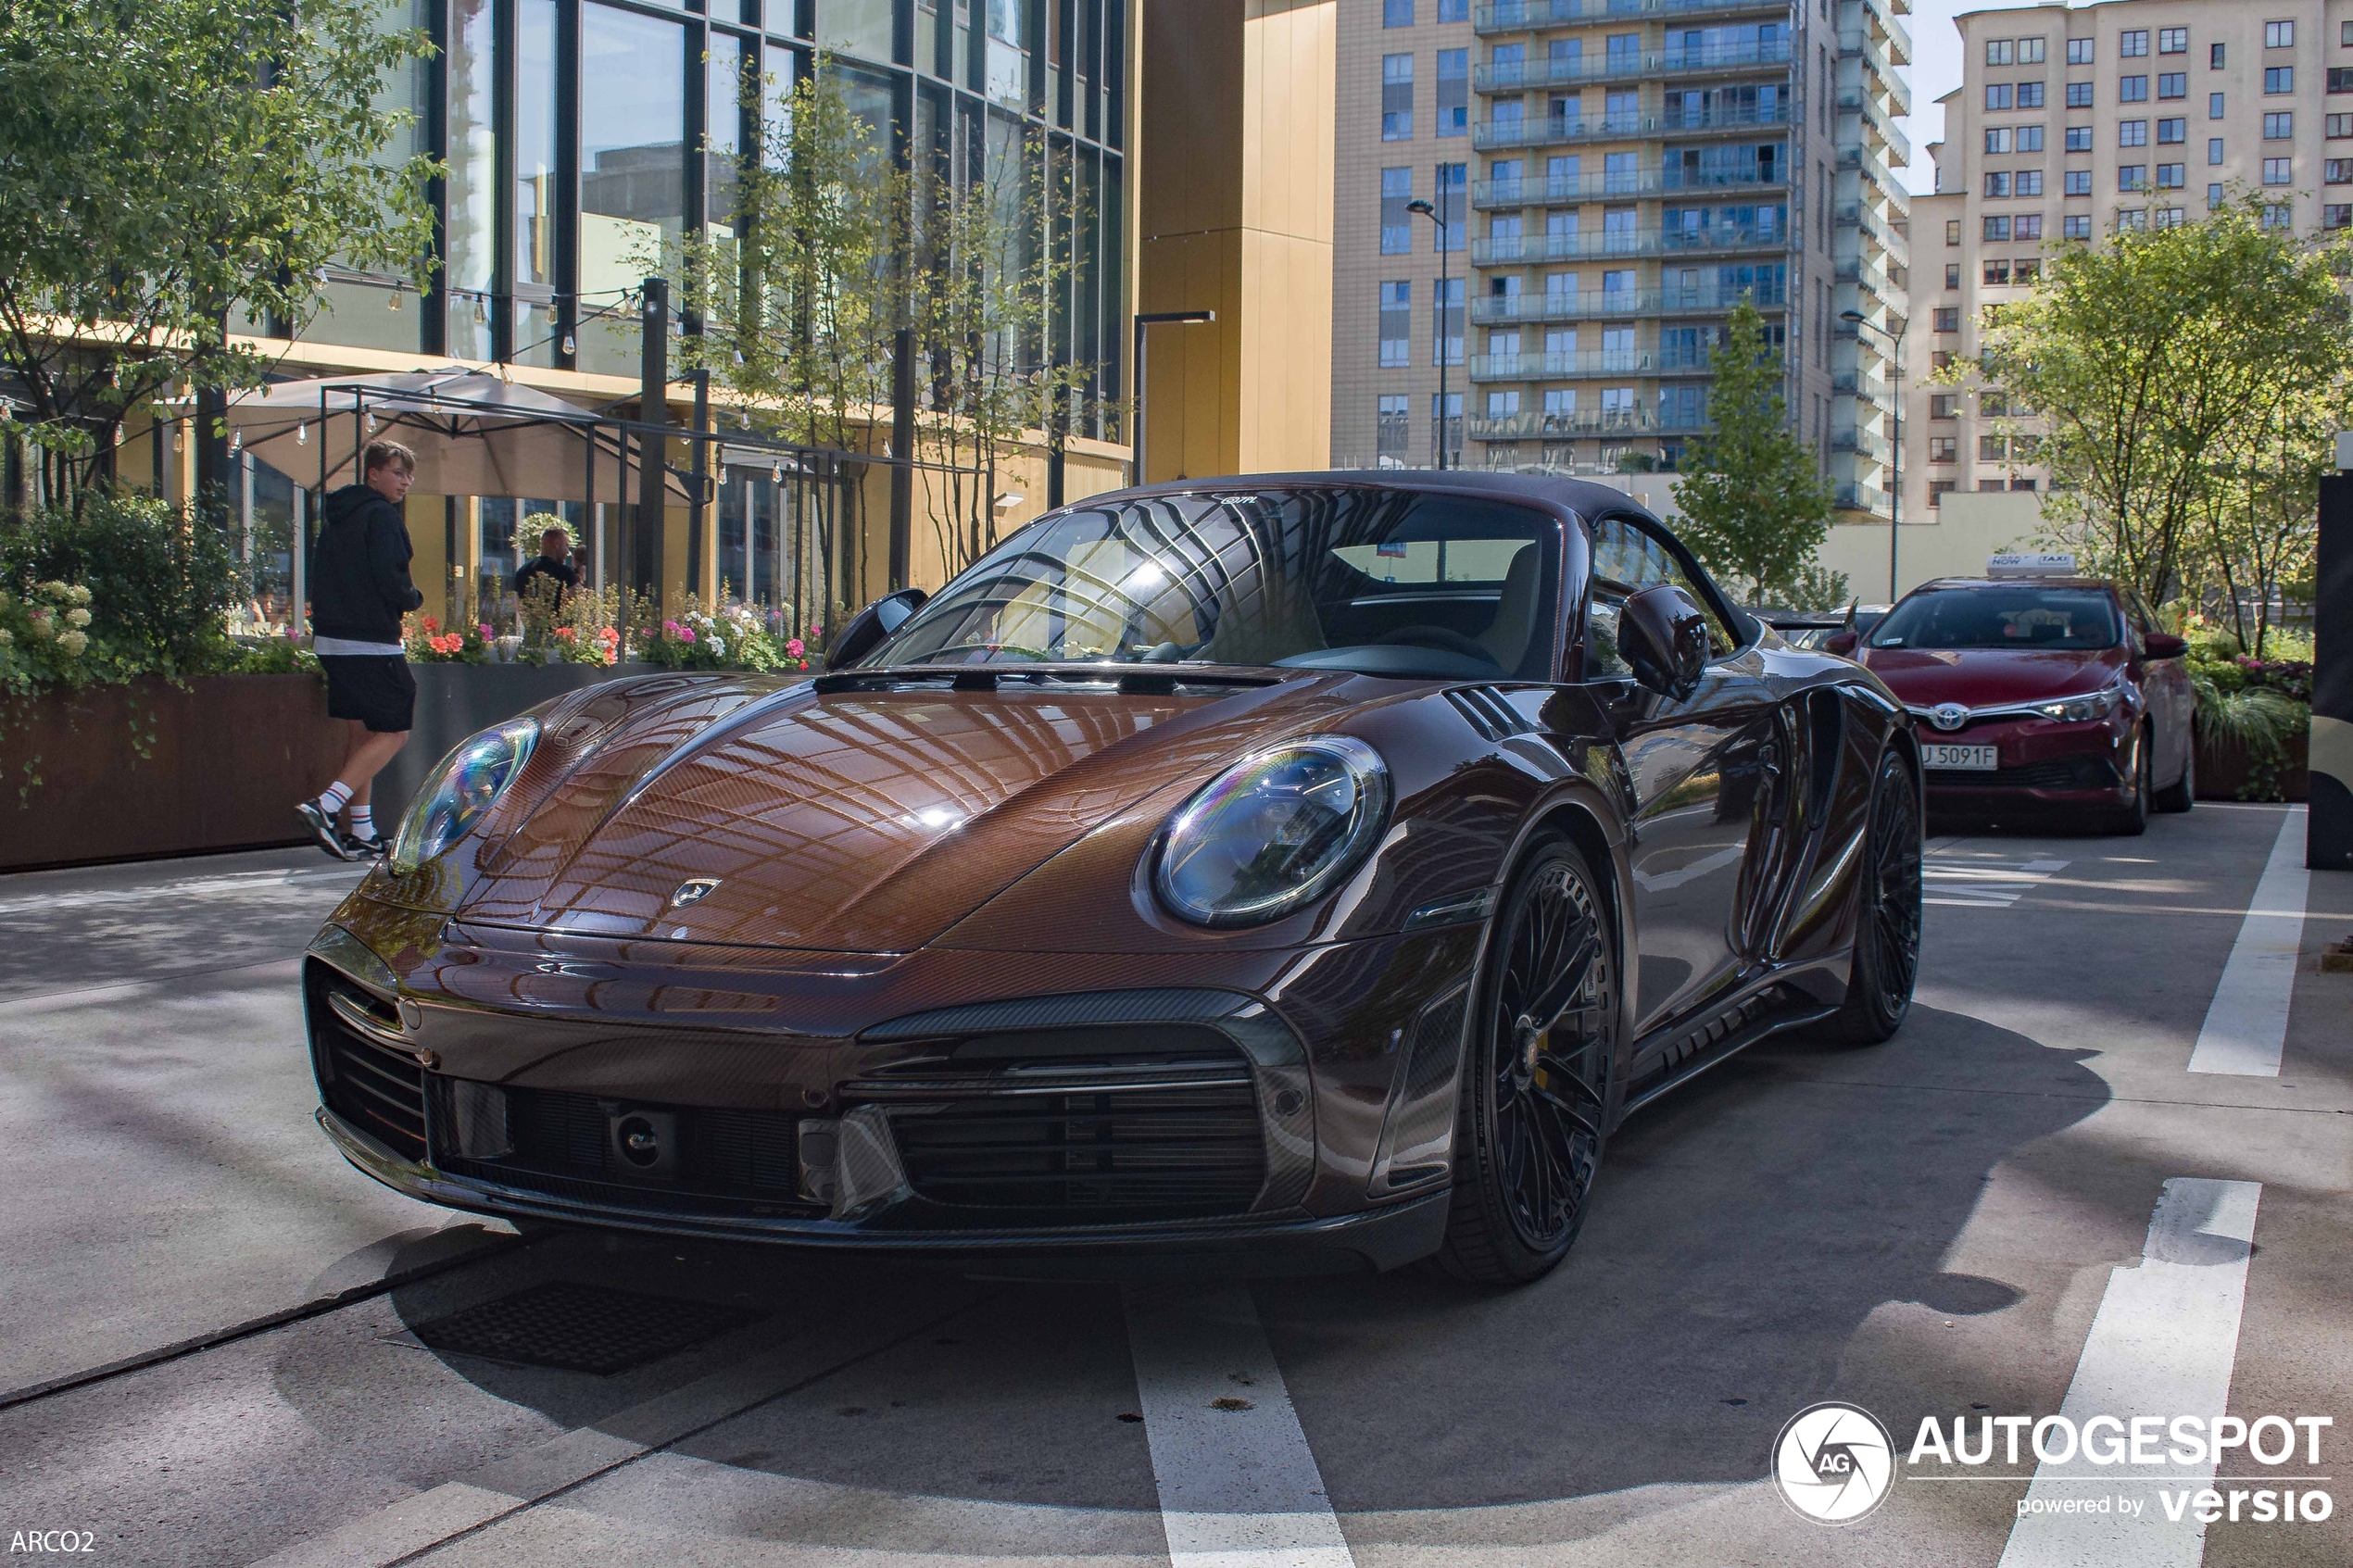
482,312
394,304
569,347
302,436
776,474
236,441
372,424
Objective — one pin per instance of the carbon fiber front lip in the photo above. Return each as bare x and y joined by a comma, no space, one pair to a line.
1386,1237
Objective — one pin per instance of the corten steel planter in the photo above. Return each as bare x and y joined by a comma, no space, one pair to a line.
2220,775
454,700
228,757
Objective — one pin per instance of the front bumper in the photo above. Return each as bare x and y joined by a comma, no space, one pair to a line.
2044,762
1378,1239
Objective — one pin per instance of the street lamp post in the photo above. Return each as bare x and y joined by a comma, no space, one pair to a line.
1143,319
1439,314
1895,500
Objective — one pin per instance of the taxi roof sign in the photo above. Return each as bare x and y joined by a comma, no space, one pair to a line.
2047,564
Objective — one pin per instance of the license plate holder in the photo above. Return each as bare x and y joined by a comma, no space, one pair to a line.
1944,756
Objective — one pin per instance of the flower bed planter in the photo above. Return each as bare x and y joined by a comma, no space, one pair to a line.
228,758
454,700
2221,776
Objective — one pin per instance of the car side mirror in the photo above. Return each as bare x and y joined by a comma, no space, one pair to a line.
871,625
1663,637
2164,645
1842,644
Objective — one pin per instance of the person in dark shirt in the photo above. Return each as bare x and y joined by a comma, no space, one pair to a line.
554,560
360,589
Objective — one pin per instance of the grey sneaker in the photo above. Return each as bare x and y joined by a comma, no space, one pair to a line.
371,847
323,827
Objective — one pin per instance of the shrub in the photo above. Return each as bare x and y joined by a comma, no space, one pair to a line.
159,580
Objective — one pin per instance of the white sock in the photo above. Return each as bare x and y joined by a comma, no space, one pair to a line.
363,823
330,800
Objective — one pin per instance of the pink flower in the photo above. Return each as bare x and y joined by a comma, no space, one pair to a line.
796,647
815,630
607,634
482,629
686,633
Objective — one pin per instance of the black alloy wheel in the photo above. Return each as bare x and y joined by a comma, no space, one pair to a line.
2132,821
1887,926
2180,794
1529,1132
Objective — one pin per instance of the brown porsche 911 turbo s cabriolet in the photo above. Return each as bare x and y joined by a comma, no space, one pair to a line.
1316,866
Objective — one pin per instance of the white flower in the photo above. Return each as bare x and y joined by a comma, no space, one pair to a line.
6,637
56,590
78,594
718,647
77,618
73,642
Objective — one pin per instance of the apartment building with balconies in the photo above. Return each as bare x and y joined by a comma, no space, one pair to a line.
2073,121
1613,176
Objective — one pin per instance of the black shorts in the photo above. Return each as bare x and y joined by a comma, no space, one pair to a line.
376,689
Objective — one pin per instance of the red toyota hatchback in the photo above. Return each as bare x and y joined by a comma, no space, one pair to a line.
2039,692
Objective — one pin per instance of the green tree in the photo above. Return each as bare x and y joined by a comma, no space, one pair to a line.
169,167
2156,366
1755,505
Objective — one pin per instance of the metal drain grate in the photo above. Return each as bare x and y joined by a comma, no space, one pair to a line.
579,1328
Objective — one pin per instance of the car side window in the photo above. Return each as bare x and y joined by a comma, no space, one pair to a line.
1627,558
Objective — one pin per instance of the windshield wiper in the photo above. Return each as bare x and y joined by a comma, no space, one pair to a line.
1157,679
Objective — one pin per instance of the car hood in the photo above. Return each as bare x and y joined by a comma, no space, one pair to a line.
866,820
1990,677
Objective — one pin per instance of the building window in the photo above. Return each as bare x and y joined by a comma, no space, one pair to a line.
1397,97
2133,177
2279,171
2172,130
2030,51
2079,51
1944,450
1997,51
2029,138
1446,423
1453,11
2079,182
2277,80
2338,171
1993,449
2079,138
2027,226
1997,184
1391,439
1452,178
2214,56
1952,274
2340,78
2276,215
1450,331
2213,198
1939,359
2027,271
1942,405
2030,182
2131,89
2078,227
1951,231
2214,105
2171,176
2030,94
2213,152
1937,490
1997,272
1453,92
1996,228
1502,404
2173,39
1997,94
2133,42
2170,217
2339,127
2174,85
2132,132
2280,126
1948,318
2279,35
1397,13
1396,324
2079,95
1998,139
1396,224
2337,214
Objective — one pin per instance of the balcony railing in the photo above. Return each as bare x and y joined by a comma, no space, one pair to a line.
1585,422
1899,37
1856,497
1629,65
1864,443
1620,183
1514,15
1856,44
1510,249
1853,100
1553,129
1587,305
1561,367
1675,122
1859,384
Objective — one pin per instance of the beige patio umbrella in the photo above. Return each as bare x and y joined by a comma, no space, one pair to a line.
473,433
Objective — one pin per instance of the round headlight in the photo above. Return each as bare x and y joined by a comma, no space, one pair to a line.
1271,832
458,791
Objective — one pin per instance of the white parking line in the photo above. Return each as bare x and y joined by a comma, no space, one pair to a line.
1982,885
193,888
2246,1026
1238,1487
2162,1344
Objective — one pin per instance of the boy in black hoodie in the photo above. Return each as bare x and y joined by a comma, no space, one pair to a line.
360,589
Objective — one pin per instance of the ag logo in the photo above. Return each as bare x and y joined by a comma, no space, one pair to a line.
1833,1463
693,891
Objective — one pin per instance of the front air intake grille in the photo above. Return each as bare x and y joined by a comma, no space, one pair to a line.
364,1079
1164,1124
562,1144
2065,772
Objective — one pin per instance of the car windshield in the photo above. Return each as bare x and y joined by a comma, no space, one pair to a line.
2000,618
1382,580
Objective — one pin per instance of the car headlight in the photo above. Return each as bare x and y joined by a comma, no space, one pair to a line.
2079,709
461,790
1271,832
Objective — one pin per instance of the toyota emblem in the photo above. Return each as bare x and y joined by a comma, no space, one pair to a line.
1944,716
694,890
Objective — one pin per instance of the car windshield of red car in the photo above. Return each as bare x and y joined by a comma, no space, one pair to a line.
2022,617
1385,581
